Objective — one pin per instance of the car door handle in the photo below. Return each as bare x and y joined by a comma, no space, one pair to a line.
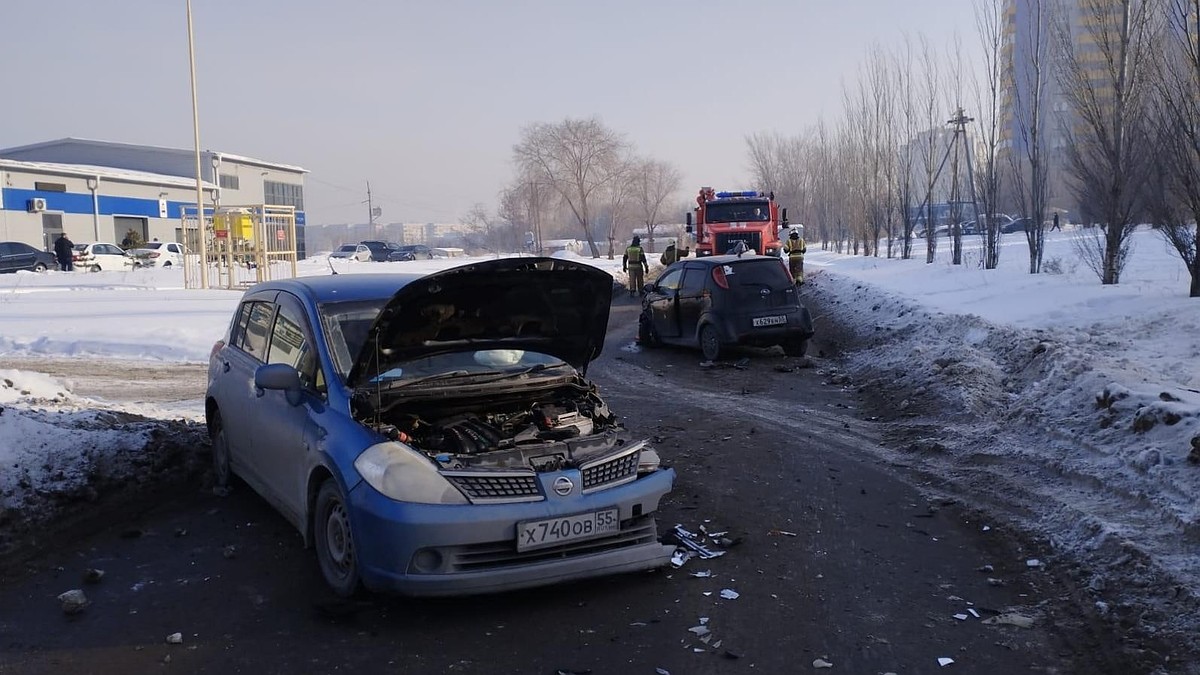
225,366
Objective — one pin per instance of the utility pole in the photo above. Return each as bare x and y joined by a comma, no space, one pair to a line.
960,122
370,213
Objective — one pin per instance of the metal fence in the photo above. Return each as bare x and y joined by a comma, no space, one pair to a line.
244,245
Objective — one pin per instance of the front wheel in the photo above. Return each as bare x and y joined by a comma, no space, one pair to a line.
710,342
646,337
222,474
94,268
335,540
39,267
167,263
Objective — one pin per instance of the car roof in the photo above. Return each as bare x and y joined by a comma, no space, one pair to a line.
714,260
341,287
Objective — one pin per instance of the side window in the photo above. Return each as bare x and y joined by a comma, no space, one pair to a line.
670,281
693,280
239,326
258,327
290,345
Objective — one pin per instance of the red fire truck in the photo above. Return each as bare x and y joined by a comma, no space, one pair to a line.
722,219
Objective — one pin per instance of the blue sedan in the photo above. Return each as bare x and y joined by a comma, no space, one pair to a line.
437,435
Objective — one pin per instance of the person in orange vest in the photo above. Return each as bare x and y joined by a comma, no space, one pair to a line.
634,262
795,249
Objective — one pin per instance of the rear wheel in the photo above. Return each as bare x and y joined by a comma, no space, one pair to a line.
167,263
710,342
335,541
94,268
795,347
39,267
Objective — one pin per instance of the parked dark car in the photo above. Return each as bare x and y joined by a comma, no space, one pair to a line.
380,250
1018,225
17,255
716,302
411,252
437,435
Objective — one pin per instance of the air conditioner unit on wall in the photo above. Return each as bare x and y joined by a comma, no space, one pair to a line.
36,204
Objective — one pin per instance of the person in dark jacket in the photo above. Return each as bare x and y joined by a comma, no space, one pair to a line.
64,249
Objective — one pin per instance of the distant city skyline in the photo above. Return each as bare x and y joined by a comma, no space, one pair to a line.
425,100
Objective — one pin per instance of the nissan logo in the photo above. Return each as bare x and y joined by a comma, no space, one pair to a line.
563,486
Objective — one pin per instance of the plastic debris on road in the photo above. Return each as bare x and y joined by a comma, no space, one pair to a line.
944,661
961,617
92,575
730,594
1033,562
703,574
699,630
175,639
776,532
662,671
694,545
821,663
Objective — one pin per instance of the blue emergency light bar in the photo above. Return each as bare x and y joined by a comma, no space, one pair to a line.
739,193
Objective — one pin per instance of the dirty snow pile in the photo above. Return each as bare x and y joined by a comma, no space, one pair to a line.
1069,408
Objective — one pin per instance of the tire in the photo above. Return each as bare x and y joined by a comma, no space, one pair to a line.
646,336
167,263
335,541
39,267
710,342
222,473
94,268
795,347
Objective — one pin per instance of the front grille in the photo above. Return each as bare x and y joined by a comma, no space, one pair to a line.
610,471
727,240
496,487
502,554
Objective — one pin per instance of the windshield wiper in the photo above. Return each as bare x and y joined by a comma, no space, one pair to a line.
537,368
399,384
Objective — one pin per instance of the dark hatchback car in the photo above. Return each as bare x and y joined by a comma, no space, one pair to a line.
717,302
437,435
411,252
380,250
16,256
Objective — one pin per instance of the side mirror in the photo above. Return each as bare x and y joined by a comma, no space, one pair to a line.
648,288
281,377
783,216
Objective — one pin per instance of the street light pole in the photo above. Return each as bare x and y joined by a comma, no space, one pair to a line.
199,180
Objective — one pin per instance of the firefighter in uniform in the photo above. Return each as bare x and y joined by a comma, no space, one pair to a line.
795,249
634,262
669,255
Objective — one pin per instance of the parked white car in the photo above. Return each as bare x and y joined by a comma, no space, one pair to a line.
159,254
358,252
98,256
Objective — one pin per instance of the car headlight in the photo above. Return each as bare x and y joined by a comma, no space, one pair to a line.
400,473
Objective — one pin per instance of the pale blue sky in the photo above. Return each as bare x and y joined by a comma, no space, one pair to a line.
426,99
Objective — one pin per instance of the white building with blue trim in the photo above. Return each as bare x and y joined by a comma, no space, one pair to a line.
99,190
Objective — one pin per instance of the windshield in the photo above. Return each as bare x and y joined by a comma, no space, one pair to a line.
81,247
348,248
346,326
737,212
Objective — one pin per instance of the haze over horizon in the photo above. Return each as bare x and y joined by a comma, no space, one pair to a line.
425,100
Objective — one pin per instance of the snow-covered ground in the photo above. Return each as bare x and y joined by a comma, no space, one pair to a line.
1059,405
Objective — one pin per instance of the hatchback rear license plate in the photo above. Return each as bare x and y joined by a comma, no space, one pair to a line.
770,320
533,534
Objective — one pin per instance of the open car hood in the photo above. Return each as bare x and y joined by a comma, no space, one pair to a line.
547,305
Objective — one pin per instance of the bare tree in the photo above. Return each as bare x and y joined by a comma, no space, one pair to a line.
930,149
654,182
575,158
1109,154
1029,73
619,191
1174,197
988,18
906,187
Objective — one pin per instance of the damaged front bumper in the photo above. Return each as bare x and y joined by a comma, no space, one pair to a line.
439,550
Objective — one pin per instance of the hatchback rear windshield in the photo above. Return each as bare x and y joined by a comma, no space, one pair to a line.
766,272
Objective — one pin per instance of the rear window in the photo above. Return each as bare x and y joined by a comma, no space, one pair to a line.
758,273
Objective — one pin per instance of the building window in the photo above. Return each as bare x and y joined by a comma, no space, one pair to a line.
228,180
283,194
49,187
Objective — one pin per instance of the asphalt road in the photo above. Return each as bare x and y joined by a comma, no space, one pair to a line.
839,558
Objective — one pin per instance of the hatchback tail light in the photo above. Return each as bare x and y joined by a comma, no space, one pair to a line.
718,275
217,346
